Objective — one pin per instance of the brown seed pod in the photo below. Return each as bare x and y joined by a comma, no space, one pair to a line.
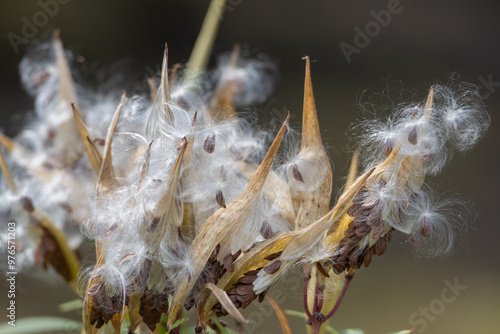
153,305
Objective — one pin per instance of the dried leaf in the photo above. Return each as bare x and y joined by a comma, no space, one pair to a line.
281,316
227,303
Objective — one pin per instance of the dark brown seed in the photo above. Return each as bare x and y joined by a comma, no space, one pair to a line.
216,251
228,262
371,201
219,197
244,289
247,279
155,183
262,295
322,270
368,257
426,228
273,256
363,230
272,267
154,223
209,144
349,233
27,204
353,210
413,135
380,246
297,175
99,141
265,230
253,272
236,255
354,240
338,268
379,230
388,146
389,234
353,259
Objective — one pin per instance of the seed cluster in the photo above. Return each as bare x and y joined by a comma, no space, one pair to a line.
153,305
367,223
104,307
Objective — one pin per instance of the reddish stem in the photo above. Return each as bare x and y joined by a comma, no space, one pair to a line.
318,298
348,279
306,307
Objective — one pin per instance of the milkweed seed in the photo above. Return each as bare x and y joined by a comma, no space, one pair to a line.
209,144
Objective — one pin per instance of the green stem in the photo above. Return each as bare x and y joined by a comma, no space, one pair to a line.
203,46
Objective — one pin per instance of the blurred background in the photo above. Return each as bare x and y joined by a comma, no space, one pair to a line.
419,44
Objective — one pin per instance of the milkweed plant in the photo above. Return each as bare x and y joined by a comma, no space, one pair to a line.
188,205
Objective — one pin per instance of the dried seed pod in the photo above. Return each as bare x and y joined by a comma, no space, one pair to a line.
153,305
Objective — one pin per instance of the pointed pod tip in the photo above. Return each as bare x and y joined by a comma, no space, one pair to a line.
56,34
195,117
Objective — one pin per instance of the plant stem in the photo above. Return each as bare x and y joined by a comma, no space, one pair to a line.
348,279
203,46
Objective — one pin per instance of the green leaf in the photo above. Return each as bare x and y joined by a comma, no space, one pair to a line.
331,330
176,324
76,304
41,325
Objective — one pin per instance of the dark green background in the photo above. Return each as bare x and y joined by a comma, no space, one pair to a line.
426,42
